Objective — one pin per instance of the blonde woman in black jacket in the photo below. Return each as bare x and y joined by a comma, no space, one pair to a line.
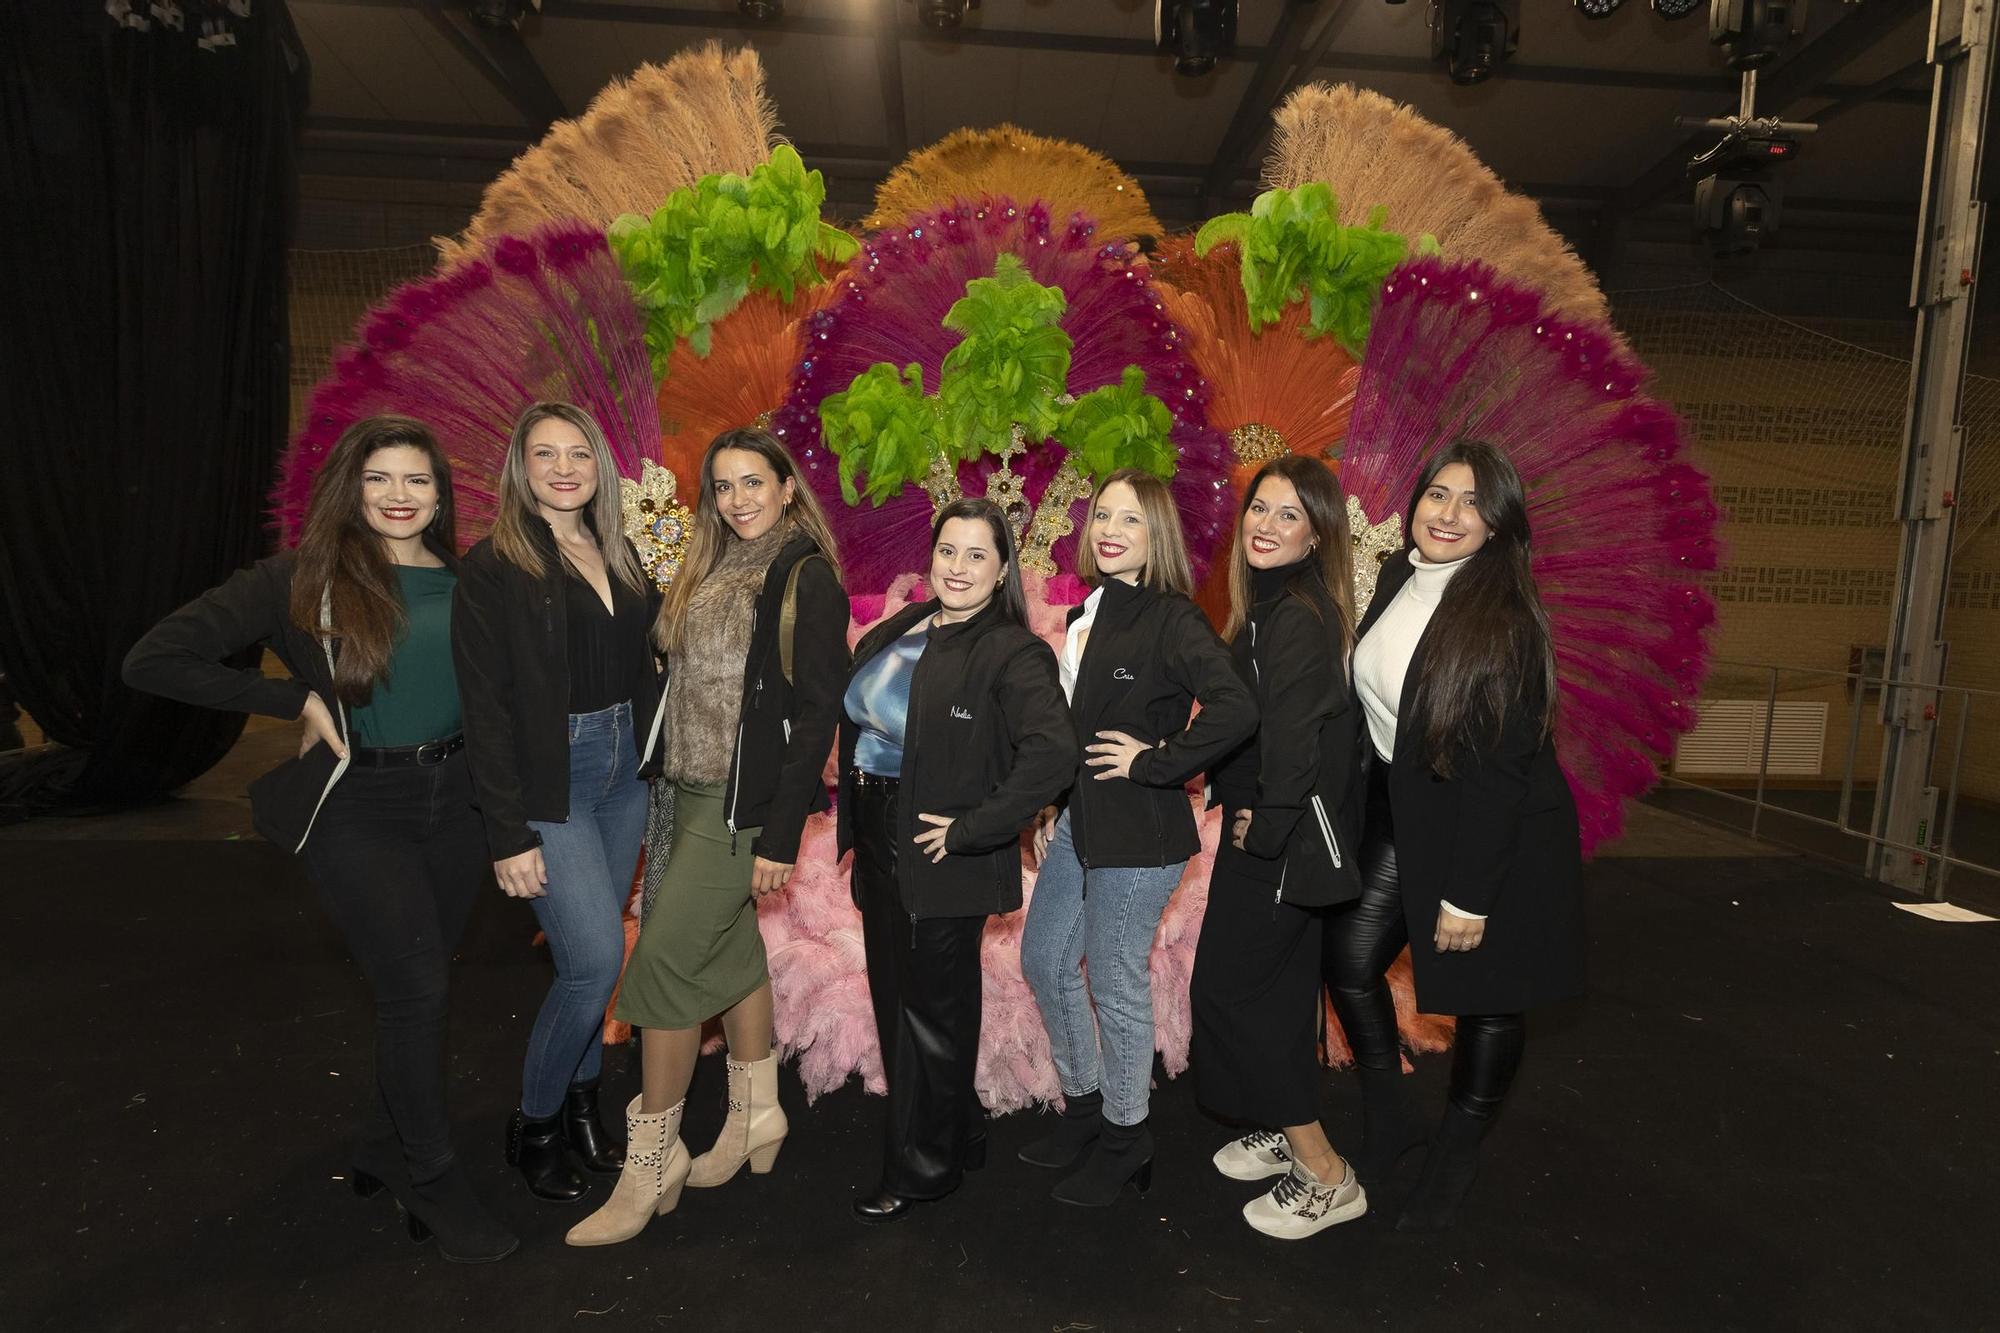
1292,807
1137,656
954,735
549,634
360,614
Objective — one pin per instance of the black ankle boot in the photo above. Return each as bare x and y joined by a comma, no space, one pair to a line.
375,1163
447,1207
1448,1173
1077,1128
1123,1153
1388,1129
585,1132
536,1147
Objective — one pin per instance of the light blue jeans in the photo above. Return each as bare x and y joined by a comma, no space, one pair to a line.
590,858
1110,921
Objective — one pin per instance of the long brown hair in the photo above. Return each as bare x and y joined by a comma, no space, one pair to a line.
1329,569
711,535
1013,601
516,524
1167,568
1499,654
339,552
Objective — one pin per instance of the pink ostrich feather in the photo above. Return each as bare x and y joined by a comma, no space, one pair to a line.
543,316
1624,527
891,299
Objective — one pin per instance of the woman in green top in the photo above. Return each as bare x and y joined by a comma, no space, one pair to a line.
361,614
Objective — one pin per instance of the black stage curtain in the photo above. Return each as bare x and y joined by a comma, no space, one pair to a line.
150,188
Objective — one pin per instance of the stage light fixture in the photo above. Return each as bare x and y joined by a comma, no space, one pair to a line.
943,14
1675,9
1598,9
1737,200
764,11
1750,32
1473,37
1197,32
496,13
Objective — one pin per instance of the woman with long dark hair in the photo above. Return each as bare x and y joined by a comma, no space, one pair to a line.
1137,656
1291,802
954,735
755,633
1472,849
360,614
549,633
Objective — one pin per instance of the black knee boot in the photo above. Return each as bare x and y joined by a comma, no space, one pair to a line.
1077,1128
1388,1127
535,1147
1482,1068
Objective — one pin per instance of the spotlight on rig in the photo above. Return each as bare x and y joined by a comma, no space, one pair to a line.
1472,37
764,11
1598,9
497,13
1675,9
1197,32
1750,32
1737,199
943,15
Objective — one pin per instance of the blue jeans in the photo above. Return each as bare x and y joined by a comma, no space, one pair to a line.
590,858
1112,925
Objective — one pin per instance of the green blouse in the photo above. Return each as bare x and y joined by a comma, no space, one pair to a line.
418,701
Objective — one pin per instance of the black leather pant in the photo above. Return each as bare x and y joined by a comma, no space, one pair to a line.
1361,942
924,980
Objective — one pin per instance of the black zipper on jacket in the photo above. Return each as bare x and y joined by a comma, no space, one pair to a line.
905,815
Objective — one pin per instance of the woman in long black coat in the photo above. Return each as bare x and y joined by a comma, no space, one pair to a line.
1472,848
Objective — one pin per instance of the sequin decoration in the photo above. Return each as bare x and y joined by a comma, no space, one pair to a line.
1254,442
655,521
1373,544
1052,522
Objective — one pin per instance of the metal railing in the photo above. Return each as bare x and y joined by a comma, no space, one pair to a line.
1933,851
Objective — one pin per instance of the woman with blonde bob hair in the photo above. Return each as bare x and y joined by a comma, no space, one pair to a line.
1137,656
755,633
549,631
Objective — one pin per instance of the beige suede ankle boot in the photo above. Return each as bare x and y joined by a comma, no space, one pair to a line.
656,1166
754,1130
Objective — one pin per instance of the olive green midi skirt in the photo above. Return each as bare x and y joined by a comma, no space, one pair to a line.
699,948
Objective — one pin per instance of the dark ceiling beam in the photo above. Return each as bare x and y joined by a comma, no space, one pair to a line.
503,57
1882,87
1336,63
1267,84
1856,32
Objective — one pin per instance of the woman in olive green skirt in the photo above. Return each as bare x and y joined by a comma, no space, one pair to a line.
708,954
756,607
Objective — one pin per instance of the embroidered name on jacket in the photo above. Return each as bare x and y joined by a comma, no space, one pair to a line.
962,713
1123,673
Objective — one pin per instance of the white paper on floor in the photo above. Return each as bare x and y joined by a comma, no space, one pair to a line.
1944,912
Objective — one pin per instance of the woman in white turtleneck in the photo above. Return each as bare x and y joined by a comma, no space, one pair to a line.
1471,845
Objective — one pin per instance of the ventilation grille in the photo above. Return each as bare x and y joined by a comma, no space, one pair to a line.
1730,739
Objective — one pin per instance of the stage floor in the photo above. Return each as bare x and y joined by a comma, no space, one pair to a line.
1775,1111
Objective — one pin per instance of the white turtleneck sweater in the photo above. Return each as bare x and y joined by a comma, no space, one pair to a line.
1382,658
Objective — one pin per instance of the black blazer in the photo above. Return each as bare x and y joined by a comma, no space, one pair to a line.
508,642
184,656
1150,655
1301,776
1498,838
787,728
989,743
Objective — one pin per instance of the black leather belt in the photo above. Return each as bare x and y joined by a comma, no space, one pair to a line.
427,755
872,780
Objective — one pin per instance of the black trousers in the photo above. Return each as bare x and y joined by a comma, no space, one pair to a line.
397,857
1363,939
924,980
